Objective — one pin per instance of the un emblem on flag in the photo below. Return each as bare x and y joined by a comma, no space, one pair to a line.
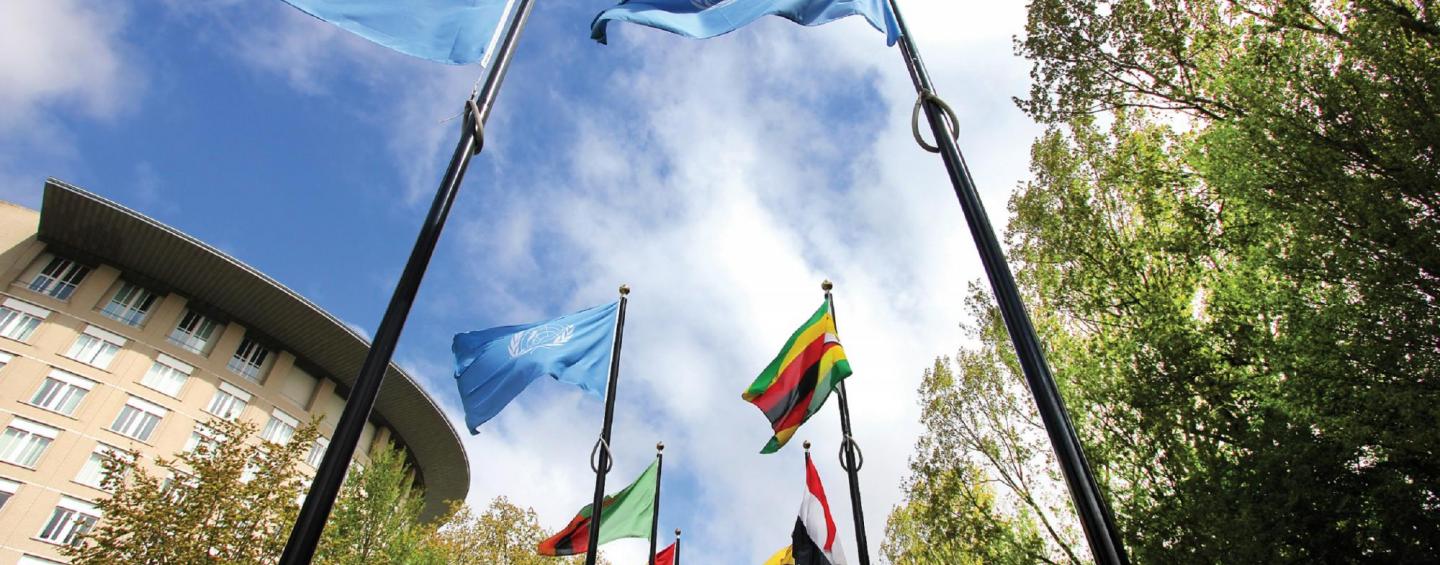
534,338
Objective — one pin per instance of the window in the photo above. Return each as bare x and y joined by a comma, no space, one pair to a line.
167,375
7,490
138,418
5,359
32,560
249,359
130,304
194,332
61,392
317,452
95,347
19,319
280,427
71,520
59,277
93,472
24,441
228,402
205,436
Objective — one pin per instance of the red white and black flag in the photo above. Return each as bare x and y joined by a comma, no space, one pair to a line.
815,541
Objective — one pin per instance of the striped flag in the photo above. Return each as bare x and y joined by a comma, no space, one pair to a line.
814,541
801,377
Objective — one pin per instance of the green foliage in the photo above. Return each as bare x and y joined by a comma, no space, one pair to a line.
376,518
1229,245
950,513
232,501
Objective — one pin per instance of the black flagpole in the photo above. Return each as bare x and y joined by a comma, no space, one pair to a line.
602,446
848,456
655,516
677,546
310,523
1095,516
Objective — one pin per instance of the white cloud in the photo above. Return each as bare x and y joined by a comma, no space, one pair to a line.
59,58
722,180
723,191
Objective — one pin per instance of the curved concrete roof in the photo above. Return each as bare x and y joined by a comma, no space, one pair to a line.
90,227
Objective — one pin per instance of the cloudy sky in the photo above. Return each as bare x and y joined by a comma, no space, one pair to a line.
721,179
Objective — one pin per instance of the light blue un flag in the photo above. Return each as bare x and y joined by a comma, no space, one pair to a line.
492,366
702,19
458,32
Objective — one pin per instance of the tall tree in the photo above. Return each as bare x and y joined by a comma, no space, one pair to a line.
377,517
1230,246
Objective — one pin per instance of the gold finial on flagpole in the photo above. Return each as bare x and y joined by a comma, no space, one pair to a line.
677,532
624,290
807,445
659,446
826,285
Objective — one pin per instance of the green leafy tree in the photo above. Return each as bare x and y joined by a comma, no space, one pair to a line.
230,500
1229,247
504,534
376,518
950,514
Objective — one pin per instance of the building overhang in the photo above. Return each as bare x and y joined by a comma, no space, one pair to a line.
76,221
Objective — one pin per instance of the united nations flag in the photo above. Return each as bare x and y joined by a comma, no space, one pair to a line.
492,366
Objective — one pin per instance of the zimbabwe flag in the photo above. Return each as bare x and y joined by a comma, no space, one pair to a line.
798,381
626,514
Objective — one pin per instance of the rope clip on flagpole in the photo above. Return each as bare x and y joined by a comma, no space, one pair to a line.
608,459
858,461
952,125
477,127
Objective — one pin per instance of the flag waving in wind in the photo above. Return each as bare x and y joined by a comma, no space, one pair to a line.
626,514
493,366
799,380
458,32
702,19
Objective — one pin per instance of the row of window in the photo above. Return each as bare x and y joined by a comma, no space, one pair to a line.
97,347
23,441
131,305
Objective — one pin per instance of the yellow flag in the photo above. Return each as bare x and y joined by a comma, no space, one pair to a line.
783,557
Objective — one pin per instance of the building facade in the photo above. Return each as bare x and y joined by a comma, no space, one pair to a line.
118,332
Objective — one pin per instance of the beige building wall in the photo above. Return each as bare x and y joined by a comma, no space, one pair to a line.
49,486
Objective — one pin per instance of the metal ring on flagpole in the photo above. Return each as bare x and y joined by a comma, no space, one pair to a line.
473,121
859,455
609,459
948,114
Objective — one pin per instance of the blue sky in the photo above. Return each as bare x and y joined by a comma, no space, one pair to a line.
721,179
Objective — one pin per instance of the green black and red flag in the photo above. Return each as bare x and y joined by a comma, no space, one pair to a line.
801,377
626,514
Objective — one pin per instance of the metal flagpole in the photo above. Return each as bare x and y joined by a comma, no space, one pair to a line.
677,546
655,516
602,445
1095,515
850,459
310,523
